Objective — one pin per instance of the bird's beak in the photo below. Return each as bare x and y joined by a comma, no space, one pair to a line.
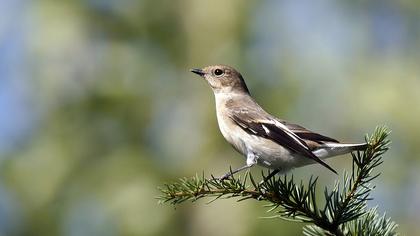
199,72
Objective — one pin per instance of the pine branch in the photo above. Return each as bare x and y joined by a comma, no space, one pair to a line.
344,211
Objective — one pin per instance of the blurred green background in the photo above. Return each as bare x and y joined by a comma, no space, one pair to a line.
98,107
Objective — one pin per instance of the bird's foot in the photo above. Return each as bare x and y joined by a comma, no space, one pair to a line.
269,176
224,177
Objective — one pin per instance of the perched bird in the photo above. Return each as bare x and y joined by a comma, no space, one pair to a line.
262,138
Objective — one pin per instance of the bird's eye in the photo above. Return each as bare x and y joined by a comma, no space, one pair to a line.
218,72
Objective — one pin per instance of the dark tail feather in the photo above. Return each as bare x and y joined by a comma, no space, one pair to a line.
334,149
359,147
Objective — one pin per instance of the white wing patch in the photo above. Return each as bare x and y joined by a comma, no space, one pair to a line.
290,133
266,129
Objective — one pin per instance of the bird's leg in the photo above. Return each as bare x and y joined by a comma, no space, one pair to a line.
229,174
251,160
269,176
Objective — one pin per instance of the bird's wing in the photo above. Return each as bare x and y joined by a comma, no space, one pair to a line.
262,124
306,134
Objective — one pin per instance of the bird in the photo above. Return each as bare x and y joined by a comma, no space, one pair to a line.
260,137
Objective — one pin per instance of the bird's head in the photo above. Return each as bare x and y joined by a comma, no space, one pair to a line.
223,79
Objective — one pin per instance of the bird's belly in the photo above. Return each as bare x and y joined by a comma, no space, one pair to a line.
268,153
271,155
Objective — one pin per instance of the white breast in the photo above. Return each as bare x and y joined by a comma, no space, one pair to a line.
230,131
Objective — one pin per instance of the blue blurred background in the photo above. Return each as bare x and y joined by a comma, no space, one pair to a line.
98,107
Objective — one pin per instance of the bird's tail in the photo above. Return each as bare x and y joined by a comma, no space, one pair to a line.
334,149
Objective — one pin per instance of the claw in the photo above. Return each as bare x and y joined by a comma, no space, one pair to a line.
224,177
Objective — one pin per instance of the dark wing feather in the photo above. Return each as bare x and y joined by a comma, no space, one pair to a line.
304,133
315,137
280,136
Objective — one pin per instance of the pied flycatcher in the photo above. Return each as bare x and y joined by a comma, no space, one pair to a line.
262,138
